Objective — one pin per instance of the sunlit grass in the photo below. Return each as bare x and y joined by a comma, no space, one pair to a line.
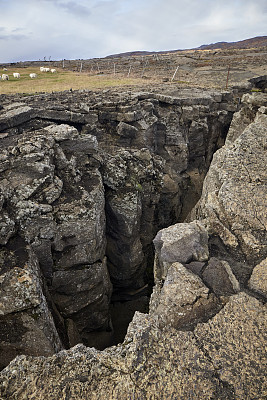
59,81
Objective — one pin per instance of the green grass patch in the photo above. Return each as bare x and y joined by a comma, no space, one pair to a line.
59,81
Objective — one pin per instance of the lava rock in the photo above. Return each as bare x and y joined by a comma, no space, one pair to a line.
258,279
182,243
220,278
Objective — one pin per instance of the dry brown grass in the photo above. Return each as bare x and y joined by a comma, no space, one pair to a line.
61,80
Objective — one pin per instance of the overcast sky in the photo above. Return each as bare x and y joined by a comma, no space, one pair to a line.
74,29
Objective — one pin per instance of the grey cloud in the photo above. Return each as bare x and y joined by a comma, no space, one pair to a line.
96,28
75,8
18,30
7,35
51,1
13,37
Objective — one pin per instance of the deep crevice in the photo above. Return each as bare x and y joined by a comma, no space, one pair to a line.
169,209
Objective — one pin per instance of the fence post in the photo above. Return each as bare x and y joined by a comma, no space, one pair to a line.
144,68
129,71
174,73
227,77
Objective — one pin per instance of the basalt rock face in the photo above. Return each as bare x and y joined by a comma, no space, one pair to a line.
153,153
87,179
53,202
205,333
233,201
26,322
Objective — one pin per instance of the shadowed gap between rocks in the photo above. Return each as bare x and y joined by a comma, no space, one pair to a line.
126,301
143,166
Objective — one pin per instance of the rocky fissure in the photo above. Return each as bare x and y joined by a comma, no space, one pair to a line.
80,210
87,181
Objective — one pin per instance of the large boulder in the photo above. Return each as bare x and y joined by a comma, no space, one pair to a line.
183,300
180,243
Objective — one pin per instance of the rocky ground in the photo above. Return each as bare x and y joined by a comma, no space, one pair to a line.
196,68
204,335
88,180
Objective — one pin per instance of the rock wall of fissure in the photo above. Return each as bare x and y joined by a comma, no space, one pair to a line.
204,336
87,180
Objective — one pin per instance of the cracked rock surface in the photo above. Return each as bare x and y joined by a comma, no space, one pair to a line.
205,334
233,200
218,360
87,179
26,323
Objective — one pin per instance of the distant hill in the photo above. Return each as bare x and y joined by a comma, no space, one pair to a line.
132,53
259,41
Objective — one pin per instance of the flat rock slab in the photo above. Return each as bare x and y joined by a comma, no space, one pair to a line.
15,115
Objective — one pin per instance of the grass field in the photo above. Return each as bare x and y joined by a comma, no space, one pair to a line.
61,80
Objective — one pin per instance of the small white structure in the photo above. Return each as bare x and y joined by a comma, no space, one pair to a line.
53,70
16,75
5,77
4,69
33,75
